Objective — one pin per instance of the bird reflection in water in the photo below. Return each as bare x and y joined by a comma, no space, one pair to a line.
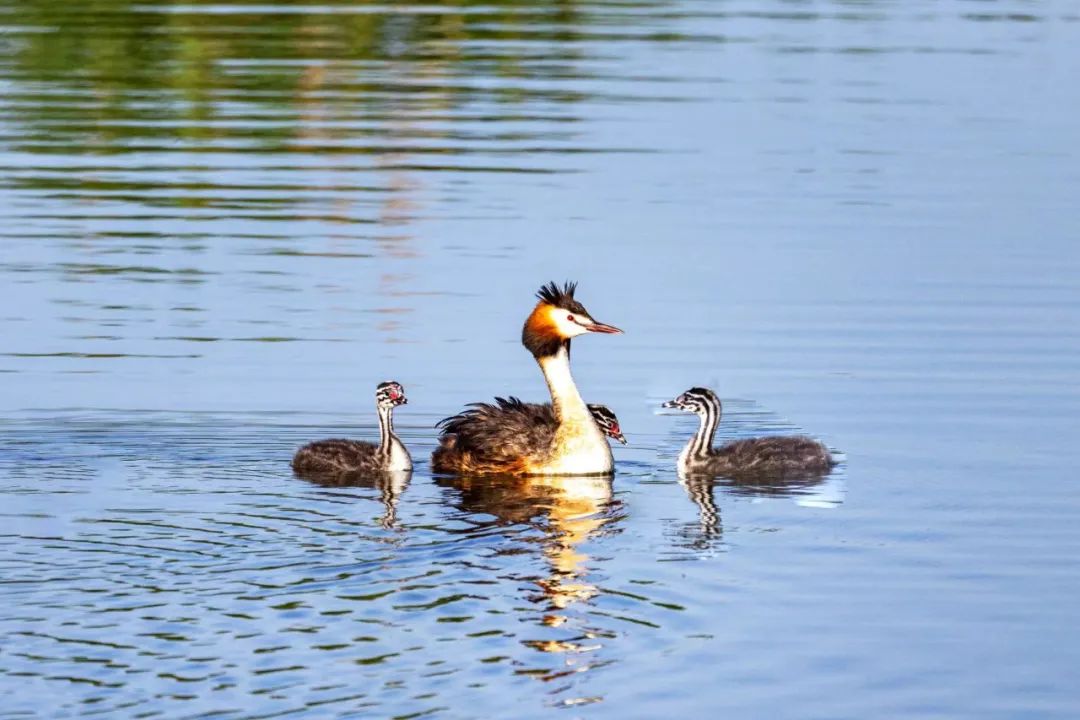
811,489
709,530
390,484
568,511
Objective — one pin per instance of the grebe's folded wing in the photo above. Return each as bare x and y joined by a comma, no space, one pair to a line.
772,454
335,455
500,432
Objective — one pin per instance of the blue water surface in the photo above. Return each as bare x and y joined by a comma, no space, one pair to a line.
225,223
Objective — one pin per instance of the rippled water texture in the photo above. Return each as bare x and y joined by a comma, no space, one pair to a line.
223,224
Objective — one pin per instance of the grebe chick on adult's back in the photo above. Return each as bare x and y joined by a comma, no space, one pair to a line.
607,422
790,455
354,456
507,437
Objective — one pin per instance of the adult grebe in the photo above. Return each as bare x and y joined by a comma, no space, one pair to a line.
507,437
352,456
792,455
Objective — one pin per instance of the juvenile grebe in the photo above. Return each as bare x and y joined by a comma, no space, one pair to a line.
507,437
353,456
607,422
792,455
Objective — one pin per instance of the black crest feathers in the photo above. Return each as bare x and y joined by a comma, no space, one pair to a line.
561,297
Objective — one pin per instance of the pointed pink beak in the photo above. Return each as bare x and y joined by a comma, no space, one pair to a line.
602,328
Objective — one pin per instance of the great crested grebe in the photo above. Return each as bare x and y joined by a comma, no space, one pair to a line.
506,437
353,456
792,455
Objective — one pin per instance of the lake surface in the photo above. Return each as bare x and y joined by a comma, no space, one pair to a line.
225,223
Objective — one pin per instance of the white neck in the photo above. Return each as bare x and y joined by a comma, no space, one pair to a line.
699,448
565,399
579,447
703,438
390,446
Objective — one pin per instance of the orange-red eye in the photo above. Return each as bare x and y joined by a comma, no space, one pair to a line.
570,318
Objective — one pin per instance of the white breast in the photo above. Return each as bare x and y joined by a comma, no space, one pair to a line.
399,456
683,463
580,449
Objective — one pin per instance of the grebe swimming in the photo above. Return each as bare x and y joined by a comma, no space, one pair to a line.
354,456
792,455
506,437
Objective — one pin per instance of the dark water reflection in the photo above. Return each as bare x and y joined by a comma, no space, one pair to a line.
223,223
389,485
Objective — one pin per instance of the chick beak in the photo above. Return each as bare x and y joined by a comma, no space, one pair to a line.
621,438
670,404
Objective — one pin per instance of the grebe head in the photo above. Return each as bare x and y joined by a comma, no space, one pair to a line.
607,422
390,394
696,400
557,318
